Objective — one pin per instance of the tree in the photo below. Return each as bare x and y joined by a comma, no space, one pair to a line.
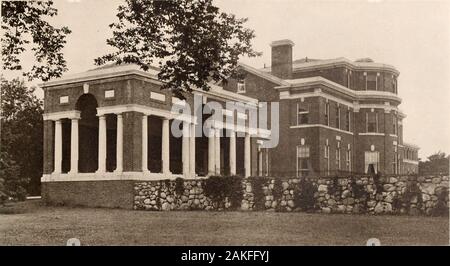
437,163
193,41
11,184
22,133
23,25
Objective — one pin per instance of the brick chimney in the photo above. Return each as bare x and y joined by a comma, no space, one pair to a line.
282,58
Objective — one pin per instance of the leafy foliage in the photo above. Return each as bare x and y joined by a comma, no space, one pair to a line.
11,183
257,183
304,197
22,131
23,25
412,195
359,192
235,193
441,208
192,40
334,188
377,182
218,188
179,186
437,163
277,190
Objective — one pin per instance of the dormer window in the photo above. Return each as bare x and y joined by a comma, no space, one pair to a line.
241,87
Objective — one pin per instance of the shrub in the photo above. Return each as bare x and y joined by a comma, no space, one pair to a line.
377,183
259,197
304,195
235,193
360,193
334,189
277,193
412,192
441,208
179,186
217,188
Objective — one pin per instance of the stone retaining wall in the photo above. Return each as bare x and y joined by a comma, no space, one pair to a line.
331,195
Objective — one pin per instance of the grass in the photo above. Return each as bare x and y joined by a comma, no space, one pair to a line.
35,224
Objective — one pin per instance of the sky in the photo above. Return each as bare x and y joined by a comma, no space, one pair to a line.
413,36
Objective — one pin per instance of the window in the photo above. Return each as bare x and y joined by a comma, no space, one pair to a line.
302,115
338,117
349,79
394,162
327,158
394,124
371,81
348,160
394,84
327,114
302,161
241,87
371,122
338,158
347,120
371,159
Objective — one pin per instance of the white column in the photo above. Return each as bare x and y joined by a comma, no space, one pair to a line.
165,154
144,143
217,151
211,152
247,158
74,147
185,148
192,151
101,144
232,152
119,144
58,146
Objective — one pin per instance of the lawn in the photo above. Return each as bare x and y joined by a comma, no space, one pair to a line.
35,224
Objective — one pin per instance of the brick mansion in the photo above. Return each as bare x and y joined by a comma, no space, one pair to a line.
110,126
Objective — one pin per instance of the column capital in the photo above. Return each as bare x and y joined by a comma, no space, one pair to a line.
101,117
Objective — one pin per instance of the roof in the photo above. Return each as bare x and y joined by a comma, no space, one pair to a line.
301,82
106,71
363,64
410,145
264,75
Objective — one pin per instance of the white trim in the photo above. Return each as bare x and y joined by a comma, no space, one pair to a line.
411,161
354,94
158,96
63,99
323,126
371,134
241,87
110,176
226,112
151,74
147,110
109,93
282,42
74,114
392,135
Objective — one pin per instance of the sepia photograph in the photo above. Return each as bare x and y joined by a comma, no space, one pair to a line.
225,123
